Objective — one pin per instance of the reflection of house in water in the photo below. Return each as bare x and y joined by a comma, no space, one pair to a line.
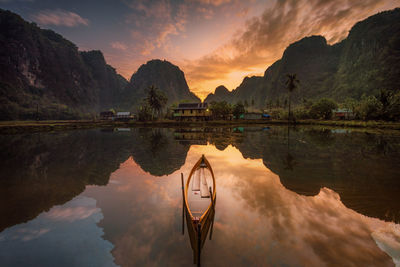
191,136
340,131
123,129
192,112
220,137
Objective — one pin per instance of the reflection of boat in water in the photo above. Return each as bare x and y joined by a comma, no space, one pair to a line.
199,198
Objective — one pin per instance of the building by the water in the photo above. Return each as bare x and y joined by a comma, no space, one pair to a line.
192,112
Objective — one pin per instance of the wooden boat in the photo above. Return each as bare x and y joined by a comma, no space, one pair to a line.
199,196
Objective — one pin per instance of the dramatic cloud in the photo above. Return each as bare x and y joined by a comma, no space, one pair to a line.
265,37
59,18
213,41
157,22
175,30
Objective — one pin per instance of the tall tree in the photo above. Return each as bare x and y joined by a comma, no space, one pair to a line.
156,100
221,110
291,84
238,110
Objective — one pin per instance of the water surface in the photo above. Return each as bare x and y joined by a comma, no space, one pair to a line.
297,197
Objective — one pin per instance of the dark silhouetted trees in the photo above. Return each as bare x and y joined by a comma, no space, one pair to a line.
156,100
291,84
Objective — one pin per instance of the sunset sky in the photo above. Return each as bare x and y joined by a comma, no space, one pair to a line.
213,41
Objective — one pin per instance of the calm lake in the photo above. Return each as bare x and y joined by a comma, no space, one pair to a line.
112,197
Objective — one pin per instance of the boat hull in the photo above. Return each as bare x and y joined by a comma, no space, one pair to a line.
199,227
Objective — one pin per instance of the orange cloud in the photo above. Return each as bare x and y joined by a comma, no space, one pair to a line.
265,37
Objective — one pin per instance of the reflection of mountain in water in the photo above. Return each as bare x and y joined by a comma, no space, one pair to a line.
221,138
361,167
41,170
156,151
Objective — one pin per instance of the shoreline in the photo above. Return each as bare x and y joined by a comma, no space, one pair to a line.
12,127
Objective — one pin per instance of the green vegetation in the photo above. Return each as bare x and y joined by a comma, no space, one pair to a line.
152,104
156,100
238,110
385,106
291,85
144,112
221,110
323,109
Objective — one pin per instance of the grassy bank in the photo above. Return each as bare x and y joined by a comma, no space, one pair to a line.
11,127
353,124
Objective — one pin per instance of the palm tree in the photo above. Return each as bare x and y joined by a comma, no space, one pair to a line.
291,85
156,100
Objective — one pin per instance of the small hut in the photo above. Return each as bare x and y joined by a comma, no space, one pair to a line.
124,116
106,115
343,114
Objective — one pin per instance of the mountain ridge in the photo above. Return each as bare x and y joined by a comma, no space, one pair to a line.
363,63
45,76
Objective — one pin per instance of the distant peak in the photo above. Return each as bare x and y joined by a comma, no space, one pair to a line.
159,62
310,41
221,89
307,45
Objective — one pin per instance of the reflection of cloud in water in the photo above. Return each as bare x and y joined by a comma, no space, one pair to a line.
311,230
258,221
61,213
388,239
142,217
67,235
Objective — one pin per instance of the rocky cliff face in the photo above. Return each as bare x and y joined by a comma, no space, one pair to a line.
250,91
161,74
109,83
41,72
366,61
370,57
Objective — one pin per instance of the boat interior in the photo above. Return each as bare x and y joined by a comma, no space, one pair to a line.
198,194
